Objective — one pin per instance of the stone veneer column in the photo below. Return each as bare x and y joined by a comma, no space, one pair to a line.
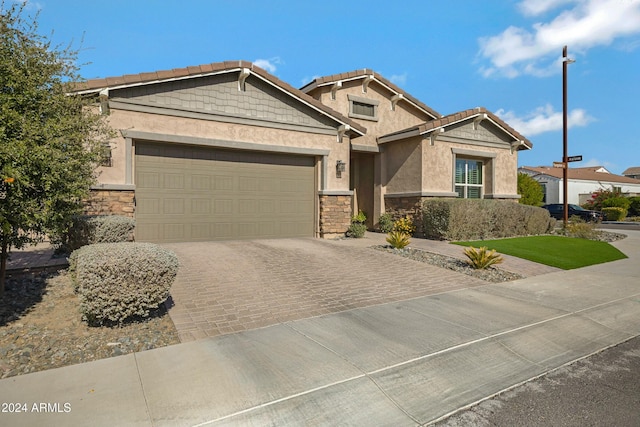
335,215
399,207
110,202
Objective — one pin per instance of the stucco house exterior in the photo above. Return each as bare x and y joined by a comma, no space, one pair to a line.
581,182
227,150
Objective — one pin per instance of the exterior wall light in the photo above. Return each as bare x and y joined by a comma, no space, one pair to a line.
340,167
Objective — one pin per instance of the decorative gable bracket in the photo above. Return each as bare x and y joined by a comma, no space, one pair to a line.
244,73
334,88
477,120
394,100
342,130
104,102
365,83
516,144
434,135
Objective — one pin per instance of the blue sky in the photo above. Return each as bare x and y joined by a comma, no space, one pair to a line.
452,55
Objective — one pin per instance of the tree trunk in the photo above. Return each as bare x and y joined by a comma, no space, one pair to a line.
3,264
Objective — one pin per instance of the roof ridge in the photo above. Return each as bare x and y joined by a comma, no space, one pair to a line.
204,69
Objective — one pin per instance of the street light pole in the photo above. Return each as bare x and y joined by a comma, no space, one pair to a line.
565,156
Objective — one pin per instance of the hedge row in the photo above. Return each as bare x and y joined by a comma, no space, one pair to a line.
87,230
119,281
467,219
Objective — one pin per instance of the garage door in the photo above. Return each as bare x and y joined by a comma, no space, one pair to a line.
187,193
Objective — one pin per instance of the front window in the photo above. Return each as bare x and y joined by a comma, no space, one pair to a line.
363,108
469,179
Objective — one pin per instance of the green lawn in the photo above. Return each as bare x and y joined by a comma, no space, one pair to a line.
557,251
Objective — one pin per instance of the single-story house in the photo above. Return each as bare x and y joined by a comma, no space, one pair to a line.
227,151
581,182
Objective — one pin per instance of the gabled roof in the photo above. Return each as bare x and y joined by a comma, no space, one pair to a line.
632,171
455,118
582,174
366,73
129,80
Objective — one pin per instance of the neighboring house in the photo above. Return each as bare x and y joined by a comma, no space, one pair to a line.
227,151
633,172
581,182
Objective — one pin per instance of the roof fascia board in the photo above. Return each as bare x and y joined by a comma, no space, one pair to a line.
149,82
308,104
381,83
399,136
471,118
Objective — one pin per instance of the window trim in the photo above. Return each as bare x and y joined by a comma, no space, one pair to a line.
357,99
465,186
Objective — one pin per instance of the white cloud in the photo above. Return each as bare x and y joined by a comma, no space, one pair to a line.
398,79
537,7
537,51
307,80
269,65
544,119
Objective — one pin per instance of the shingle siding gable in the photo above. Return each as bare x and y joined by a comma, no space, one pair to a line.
219,94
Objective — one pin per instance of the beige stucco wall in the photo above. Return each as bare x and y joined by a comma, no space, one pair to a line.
506,173
404,166
404,116
180,126
500,172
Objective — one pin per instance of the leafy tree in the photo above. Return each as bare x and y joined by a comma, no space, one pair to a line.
49,141
530,190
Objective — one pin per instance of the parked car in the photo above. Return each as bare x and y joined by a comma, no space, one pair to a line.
556,210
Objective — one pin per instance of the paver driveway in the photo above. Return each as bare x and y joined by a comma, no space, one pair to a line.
230,286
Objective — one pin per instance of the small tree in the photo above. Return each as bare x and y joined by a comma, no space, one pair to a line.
49,142
530,190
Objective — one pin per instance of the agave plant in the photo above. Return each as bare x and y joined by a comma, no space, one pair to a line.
398,239
482,258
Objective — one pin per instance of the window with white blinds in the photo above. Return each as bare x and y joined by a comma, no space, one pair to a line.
468,179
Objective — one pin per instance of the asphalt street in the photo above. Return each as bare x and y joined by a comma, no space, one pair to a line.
600,390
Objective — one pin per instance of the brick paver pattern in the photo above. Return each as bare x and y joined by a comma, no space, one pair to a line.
225,287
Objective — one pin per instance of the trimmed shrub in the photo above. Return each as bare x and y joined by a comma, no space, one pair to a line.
87,230
356,230
634,206
614,213
358,226
617,202
116,282
398,239
436,214
579,228
385,223
469,219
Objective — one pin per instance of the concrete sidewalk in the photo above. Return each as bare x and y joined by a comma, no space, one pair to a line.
403,363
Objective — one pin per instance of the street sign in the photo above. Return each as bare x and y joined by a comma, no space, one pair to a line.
558,165
574,159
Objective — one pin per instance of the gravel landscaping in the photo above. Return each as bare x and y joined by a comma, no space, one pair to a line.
41,328
491,274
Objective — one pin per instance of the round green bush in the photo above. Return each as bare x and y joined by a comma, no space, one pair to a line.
116,282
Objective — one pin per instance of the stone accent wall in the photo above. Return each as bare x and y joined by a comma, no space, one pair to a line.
110,202
399,207
335,215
